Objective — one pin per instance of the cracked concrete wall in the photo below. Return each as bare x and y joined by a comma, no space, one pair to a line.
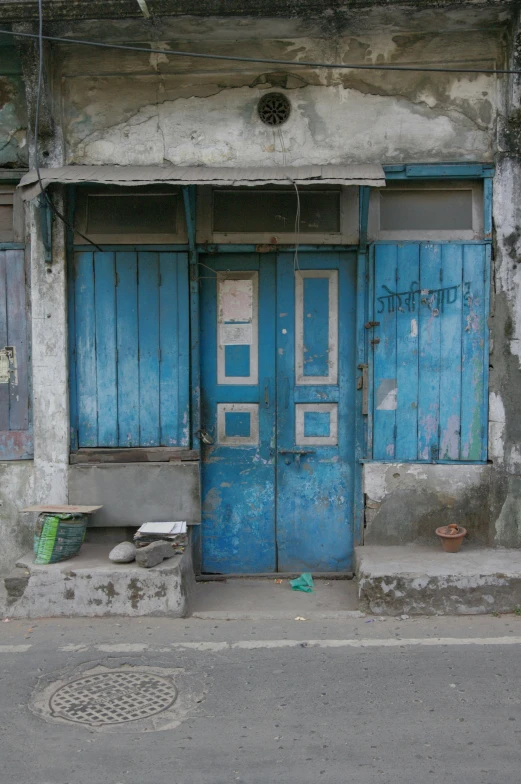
16,529
406,502
150,109
13,114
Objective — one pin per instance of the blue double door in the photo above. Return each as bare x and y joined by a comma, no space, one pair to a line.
278,411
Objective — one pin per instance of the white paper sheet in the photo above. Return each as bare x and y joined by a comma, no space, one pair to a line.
164,528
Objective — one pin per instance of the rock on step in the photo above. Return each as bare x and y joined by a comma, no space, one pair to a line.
125,552
153,554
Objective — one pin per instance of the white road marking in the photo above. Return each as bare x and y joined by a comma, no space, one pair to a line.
121,647
418,642
366,643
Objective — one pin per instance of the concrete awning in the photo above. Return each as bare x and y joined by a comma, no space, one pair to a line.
371,174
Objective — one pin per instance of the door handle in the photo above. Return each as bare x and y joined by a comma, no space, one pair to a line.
298,453
266,392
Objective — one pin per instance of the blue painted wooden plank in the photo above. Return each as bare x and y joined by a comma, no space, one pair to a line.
86,351
148,321
175,349
429,359
360,419
407,326
127,346
316,326
368,281
451,308
385,352
486,352
188,349
473,352
71,316
4,388
17,336
169,343
106,365
443,170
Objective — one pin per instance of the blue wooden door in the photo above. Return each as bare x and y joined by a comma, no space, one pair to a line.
431,355
238,413
128,316
278,353
315,411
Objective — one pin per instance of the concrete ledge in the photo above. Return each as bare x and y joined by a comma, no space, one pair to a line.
90,585
426,580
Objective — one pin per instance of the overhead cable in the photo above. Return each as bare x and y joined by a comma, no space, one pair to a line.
268,61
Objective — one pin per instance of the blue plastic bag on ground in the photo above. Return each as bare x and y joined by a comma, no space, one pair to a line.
303,583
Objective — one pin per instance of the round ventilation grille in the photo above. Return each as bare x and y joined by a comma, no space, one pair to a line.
274,109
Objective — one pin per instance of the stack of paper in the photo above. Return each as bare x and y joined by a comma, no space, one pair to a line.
156,532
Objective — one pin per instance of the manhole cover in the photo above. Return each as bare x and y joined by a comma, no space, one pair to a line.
113,698
122,698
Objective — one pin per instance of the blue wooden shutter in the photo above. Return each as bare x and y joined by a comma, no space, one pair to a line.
16,442
130,330
430,366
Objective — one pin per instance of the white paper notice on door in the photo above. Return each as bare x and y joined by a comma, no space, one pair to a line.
236,334
235,300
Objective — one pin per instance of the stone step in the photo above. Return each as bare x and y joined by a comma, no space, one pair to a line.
416,579
90,585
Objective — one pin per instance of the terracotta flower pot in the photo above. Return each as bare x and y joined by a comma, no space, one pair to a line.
451,537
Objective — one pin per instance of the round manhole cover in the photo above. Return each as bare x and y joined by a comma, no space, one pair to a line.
113,698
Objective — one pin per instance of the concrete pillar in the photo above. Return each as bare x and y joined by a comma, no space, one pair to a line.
48,294
49,364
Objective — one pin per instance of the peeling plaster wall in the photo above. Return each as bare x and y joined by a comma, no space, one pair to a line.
405,502
133,108
16,529
505,361
13,114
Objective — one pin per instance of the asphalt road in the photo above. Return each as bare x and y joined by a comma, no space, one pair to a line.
365,701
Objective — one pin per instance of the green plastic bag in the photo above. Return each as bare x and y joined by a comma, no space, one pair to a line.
58,536
303,583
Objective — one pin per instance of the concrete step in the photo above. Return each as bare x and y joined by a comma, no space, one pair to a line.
425,580
90,585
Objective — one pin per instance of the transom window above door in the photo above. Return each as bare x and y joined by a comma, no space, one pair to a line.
444,210
325,214
128,216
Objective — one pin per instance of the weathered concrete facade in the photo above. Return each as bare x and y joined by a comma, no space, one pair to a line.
132,108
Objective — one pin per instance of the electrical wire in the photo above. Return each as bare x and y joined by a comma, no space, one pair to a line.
296,265
37,129
268,61
283,147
